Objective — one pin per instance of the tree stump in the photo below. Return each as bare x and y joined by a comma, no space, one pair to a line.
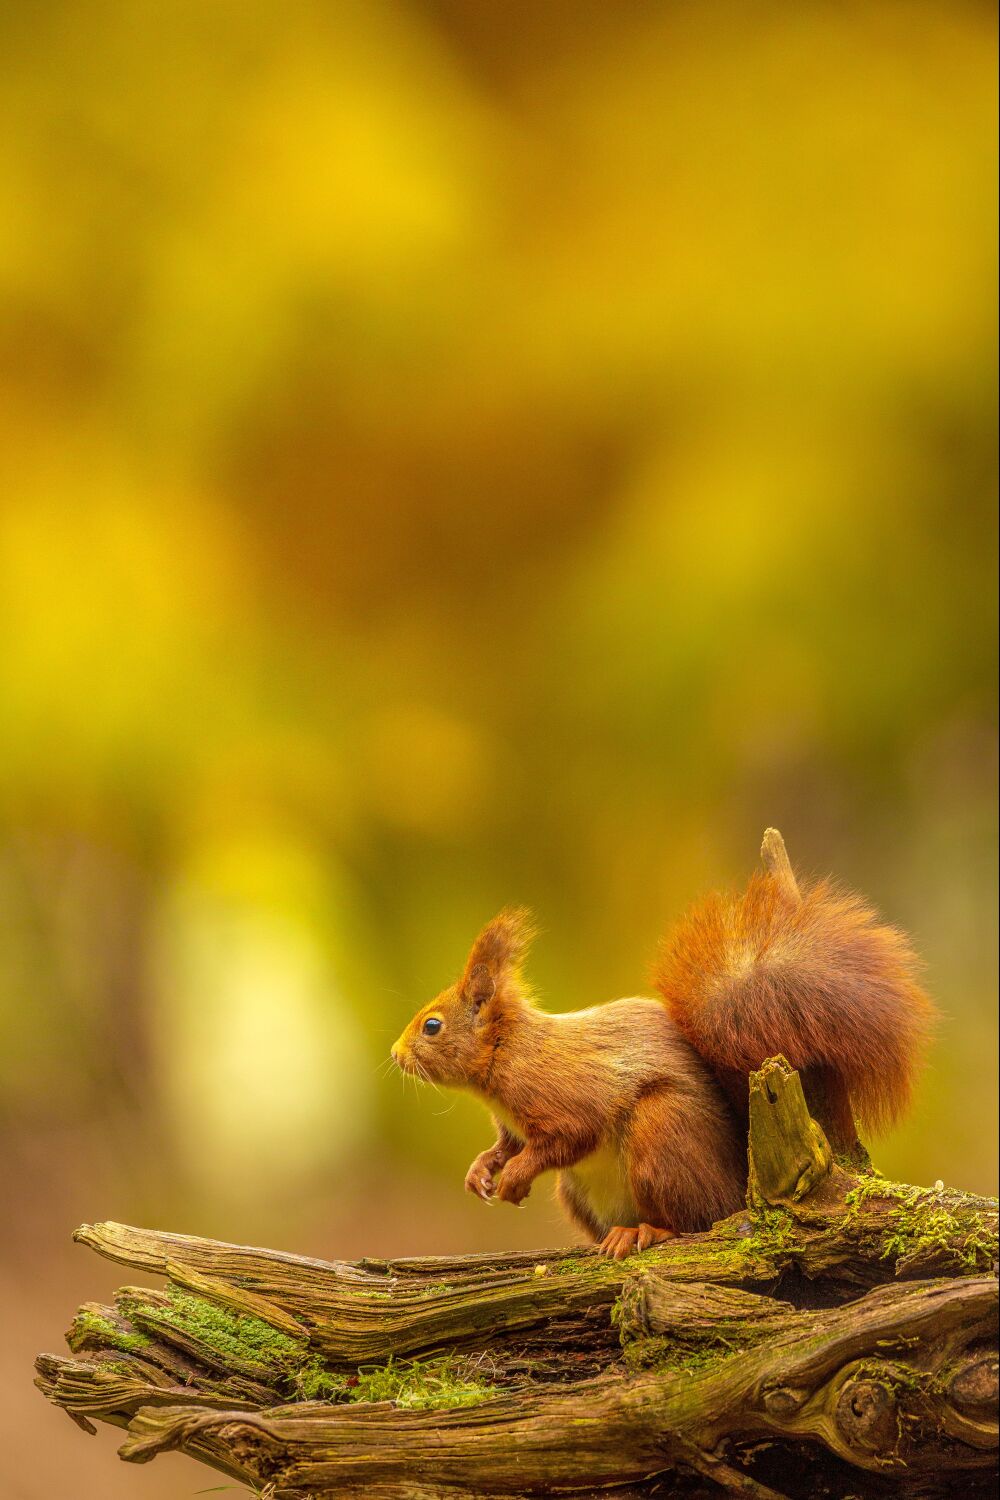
836,1338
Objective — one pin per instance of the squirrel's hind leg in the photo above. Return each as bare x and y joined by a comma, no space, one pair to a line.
686,1163
617,1240
577,1209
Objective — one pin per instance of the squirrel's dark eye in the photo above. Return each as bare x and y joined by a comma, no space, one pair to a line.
432,1026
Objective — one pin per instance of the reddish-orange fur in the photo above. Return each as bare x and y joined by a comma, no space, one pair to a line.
640,1105
819,980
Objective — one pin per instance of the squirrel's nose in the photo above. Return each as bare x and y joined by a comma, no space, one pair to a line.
392,1054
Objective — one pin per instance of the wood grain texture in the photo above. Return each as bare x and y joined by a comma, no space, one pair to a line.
837,1337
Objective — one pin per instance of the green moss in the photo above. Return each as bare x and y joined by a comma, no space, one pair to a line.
314,1383
372,1294
624,1307
415,1385
895,1377
691,1350
586,1265
113,1367
442,1382
236,1338
231,1333
764,1234
603,1270
748,1245
92,1327
741,1247
919,1221
874,1185
855,1161
672,1354
241,1340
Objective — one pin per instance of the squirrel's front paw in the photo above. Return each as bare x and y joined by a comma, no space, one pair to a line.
479,1177
512,1187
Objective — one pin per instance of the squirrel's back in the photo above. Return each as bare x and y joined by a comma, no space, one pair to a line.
809,972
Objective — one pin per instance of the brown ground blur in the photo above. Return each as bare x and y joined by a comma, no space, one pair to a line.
454,454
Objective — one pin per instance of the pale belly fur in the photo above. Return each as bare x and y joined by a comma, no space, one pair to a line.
601,1178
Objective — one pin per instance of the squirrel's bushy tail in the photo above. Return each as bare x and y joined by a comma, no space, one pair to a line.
809,972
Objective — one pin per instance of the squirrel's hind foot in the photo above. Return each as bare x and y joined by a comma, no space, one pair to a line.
620,1241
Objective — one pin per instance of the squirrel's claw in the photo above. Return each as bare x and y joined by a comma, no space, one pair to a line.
479,1180
618,1242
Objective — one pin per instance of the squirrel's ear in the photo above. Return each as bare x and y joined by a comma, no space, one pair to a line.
497,953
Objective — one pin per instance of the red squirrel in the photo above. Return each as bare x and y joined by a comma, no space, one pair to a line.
641,1105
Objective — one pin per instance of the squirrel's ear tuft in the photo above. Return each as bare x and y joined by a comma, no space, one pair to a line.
497,952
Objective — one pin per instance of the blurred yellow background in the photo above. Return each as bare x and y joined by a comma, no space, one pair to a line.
456,453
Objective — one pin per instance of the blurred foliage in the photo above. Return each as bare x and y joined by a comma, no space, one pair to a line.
451,454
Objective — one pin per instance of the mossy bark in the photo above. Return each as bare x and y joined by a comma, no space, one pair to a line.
838,1337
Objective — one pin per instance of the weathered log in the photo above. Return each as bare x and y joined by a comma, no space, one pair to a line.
838,1337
